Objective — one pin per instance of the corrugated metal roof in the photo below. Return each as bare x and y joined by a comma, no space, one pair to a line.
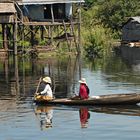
7,8
136,19
133,19
28,2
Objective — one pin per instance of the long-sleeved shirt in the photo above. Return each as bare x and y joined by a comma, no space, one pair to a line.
83,92
47,91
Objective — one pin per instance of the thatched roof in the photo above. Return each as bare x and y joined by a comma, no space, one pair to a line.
7,8
28,2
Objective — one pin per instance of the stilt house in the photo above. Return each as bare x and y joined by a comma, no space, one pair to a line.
131,30
38,14
47,10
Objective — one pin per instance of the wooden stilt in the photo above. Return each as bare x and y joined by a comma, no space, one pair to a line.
4,34
16,74
52,27
66,36
42,33
72,28
52,14
6,70
79,30
32,36
49,32
15,38
22,36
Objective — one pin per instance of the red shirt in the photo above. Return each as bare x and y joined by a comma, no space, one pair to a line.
83,92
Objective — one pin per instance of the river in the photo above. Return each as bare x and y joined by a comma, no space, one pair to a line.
21,119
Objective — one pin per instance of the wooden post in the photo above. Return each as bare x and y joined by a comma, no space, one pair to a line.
52,14
16,74
4,34
79,30
66,35
6,69
80,65
52,27
72,29
22,36
49,32
42,33
15,37
22,32
32,35
23,74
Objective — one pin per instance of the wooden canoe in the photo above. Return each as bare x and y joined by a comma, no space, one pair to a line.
111,99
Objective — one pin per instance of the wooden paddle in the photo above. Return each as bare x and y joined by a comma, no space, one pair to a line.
40,79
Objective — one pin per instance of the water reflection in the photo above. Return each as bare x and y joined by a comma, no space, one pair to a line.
132,110
84,117
45,116
45,113
19,76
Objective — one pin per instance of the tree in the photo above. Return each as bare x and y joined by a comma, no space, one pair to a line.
113,13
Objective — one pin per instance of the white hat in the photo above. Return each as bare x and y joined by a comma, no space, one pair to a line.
47,80
83,81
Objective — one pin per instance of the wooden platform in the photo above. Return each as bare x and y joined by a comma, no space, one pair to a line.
48,23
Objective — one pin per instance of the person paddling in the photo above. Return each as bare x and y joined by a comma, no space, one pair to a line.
47,92
83,90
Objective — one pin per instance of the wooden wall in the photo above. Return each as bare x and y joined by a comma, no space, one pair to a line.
131,31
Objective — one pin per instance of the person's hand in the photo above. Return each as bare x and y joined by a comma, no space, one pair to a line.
37,93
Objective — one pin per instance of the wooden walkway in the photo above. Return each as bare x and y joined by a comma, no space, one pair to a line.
48,23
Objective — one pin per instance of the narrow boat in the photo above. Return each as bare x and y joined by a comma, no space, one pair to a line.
111,99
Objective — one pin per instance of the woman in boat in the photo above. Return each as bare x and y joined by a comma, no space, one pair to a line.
84,90
47,92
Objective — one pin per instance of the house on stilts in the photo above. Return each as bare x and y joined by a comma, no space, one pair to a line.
39,20
131,32
130,43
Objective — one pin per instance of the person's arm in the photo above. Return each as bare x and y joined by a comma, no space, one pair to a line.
45,90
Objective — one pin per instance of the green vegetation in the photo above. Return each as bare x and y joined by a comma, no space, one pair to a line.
102,22
24,43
